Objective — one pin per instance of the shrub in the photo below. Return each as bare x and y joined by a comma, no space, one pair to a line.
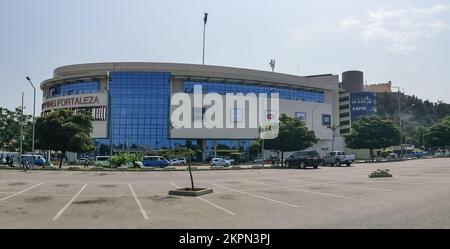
125,158
385,153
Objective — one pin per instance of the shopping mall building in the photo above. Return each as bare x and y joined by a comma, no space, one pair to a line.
131,102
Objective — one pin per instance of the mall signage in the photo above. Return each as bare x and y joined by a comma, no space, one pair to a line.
73,102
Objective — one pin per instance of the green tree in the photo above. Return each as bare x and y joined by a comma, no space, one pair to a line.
62,130
10,130
255,148
438,135
372,133
293,135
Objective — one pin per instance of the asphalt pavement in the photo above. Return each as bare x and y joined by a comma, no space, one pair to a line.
418,196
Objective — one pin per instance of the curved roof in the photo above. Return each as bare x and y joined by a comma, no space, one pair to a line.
193,71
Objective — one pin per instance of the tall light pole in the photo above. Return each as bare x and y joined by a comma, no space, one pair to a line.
400,118
205,20
34,119
21,128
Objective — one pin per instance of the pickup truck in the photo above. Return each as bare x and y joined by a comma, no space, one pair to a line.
338,158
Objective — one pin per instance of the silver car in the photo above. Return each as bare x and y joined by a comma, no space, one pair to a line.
220,162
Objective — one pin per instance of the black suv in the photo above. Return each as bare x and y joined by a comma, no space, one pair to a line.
303,159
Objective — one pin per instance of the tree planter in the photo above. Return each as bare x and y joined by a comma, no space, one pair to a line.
190,192
380,173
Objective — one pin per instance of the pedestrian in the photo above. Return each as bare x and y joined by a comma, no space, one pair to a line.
86,163
7,159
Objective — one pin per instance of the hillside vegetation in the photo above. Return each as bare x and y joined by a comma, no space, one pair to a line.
416,114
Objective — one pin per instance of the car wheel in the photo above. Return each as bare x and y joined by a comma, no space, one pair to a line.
338,163
316,166
288,165
348,164
302,165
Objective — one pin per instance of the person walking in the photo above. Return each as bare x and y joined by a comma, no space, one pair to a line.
7,160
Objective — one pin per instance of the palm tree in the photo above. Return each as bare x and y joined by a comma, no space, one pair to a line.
333,128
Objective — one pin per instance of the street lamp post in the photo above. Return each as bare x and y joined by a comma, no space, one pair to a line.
21,128
34,119
400,119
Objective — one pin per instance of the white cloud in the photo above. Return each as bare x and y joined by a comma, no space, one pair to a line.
402,30
351,22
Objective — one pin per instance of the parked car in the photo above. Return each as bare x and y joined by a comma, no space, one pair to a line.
393,155
418,153
303,159
155,161
442,153
338,158
37,159
220,162
231,160
272,160
174,161
258,160
102,161
83,160
182,160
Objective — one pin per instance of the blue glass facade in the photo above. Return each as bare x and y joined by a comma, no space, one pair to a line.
139,117
284,92
74,88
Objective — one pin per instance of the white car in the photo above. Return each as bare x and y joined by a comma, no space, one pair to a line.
174,162
442,153
220,162
182,160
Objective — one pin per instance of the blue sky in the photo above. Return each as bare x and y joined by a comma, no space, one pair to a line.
402,41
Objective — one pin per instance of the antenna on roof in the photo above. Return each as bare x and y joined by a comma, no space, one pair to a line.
272,64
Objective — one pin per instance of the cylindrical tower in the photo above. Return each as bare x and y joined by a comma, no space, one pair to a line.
353,81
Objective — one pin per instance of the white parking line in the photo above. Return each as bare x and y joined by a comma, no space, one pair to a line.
257,196
208,202
306,191
68,204
138,202
126,173
18,193
348,185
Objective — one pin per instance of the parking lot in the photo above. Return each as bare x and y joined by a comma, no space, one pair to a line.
418,196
